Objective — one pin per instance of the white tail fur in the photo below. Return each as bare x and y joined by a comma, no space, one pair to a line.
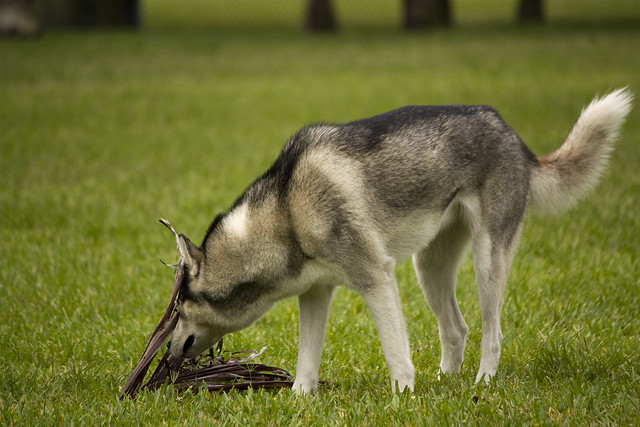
564,176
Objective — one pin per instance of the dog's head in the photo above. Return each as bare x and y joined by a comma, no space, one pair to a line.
196,330
228,283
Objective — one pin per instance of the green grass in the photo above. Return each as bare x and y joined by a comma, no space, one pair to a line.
105,132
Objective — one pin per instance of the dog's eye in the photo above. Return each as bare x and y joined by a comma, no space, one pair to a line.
188,343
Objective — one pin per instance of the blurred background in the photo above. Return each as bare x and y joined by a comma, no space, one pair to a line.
30,16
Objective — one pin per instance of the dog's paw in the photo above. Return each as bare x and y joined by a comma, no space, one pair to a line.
303,386
484,377
402,383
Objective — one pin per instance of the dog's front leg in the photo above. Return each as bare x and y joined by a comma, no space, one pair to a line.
384,302
314,310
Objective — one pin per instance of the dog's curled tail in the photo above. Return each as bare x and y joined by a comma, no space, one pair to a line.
563,177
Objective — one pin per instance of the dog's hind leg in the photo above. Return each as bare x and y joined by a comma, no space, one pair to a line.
314,311
436,267
492,260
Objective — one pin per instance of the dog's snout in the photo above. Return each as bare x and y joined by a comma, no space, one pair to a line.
188,343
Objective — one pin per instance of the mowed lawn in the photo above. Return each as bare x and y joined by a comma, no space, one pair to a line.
104,132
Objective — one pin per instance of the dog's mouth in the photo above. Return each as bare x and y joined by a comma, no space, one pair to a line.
190,349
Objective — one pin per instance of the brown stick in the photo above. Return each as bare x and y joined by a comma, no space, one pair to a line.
160,334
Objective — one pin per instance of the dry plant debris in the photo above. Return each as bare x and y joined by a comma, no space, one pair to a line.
214,371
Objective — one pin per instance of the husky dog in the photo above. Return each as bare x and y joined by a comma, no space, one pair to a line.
343,203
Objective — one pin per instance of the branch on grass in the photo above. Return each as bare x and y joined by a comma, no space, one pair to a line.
215,372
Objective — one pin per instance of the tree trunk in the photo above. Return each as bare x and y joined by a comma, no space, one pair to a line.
426,13
320,16
530,11
89,13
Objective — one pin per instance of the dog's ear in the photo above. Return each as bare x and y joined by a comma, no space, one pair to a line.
191,254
